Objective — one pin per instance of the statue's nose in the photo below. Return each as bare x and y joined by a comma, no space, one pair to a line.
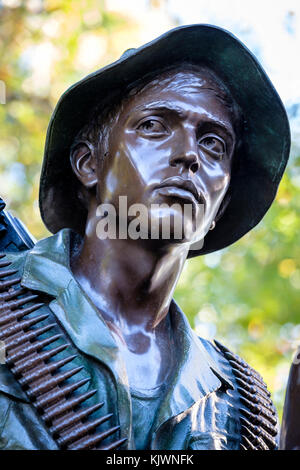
186,153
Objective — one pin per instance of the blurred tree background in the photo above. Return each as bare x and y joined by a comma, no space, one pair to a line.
246,295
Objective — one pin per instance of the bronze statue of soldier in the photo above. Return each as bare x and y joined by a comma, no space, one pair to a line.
188,119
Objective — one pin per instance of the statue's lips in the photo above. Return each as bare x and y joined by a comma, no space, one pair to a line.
186,187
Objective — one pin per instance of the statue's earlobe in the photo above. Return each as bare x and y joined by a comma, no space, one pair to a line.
83,163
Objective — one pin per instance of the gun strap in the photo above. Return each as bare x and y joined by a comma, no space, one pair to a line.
50,394
258,417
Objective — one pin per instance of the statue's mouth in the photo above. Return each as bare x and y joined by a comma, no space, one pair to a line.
185,185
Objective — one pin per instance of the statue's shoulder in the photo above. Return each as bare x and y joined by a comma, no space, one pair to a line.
258,416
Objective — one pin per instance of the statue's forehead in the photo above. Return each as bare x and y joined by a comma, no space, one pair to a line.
183,89
184,81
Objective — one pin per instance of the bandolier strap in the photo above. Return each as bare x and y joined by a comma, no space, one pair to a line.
258,417
43,384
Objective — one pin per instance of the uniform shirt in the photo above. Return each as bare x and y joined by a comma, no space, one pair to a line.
145,406
198,409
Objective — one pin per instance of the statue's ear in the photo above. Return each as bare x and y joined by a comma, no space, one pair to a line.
83,163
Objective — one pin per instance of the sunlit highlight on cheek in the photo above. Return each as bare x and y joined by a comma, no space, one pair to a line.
222,183
111,183
131,168
145,157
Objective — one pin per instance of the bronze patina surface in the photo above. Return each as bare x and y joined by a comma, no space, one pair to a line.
171,137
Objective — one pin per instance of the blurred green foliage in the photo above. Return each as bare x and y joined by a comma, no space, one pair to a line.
246,295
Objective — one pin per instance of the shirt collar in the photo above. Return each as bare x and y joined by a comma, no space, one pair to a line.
47,269
198,373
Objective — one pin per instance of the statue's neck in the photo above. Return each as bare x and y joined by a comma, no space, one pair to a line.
130,283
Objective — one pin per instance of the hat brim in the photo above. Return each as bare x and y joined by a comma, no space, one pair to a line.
262,156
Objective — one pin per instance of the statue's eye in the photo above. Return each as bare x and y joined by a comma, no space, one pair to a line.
152,127
215,145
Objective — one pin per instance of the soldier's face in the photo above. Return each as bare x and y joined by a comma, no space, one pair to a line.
172,144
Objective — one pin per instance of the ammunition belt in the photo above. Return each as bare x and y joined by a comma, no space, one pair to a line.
47,390
258,417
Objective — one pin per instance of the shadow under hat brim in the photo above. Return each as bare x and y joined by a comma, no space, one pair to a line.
261,159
